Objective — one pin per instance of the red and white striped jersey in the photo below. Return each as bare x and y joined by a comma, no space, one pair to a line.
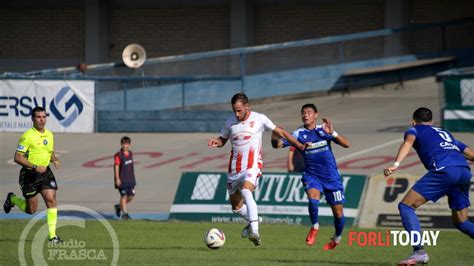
246,139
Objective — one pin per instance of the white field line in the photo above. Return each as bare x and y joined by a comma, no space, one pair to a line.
392,142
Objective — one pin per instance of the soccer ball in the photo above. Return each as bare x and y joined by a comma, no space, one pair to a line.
214,238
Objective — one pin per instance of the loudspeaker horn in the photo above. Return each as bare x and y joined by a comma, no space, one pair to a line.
134,55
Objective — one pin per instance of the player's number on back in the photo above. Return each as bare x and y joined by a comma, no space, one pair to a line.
443,134
337,195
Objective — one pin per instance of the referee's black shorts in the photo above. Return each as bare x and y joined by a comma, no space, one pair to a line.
32,182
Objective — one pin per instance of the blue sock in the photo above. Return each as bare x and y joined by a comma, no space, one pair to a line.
466,227
339,224
313,205
410,220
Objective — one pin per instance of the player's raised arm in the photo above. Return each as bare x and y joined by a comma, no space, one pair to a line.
465,150
279,131
401,155
339,139
217,142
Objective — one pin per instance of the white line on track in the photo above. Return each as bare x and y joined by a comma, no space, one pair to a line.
392,142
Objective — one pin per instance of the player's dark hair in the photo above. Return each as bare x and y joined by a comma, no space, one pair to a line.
422,114
309,105
125,139
239,97
37,109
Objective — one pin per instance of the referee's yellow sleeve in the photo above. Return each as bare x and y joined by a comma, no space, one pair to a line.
23,143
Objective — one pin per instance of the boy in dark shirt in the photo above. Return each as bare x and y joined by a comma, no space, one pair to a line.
124,176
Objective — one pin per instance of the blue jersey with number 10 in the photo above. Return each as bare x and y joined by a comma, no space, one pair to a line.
437,148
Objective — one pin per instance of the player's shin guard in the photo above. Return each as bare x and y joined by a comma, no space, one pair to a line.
466,227
339,225
242,212
313,206
52,218
410,220
251,209
19,202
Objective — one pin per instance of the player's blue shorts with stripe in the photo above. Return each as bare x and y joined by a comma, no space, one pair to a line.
333,190
452,181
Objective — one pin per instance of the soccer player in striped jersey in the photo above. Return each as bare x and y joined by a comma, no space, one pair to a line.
320,174
244,130
448,174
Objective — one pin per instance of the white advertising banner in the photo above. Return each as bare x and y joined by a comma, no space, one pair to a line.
69,104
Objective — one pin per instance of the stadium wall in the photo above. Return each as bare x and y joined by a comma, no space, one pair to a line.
38,34
35,38
170,31
161,121
288,21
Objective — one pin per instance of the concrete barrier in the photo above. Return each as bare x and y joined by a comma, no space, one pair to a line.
161,121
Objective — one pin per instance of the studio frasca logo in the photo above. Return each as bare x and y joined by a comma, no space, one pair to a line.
74,249
71,249
393,238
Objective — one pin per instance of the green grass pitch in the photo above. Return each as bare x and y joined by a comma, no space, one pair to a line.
179,243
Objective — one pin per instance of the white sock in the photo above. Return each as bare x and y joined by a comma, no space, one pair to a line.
242,212
251,209
337,239
316,226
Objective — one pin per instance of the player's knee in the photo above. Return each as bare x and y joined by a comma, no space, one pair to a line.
51,203
248,186
339,213
236,207
403,206
312,194
236,203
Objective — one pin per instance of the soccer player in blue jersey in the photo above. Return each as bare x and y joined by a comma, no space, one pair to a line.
448,174
320,174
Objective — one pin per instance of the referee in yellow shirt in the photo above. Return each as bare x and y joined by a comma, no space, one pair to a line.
34,152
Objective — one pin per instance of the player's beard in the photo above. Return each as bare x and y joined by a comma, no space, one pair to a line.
244,116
